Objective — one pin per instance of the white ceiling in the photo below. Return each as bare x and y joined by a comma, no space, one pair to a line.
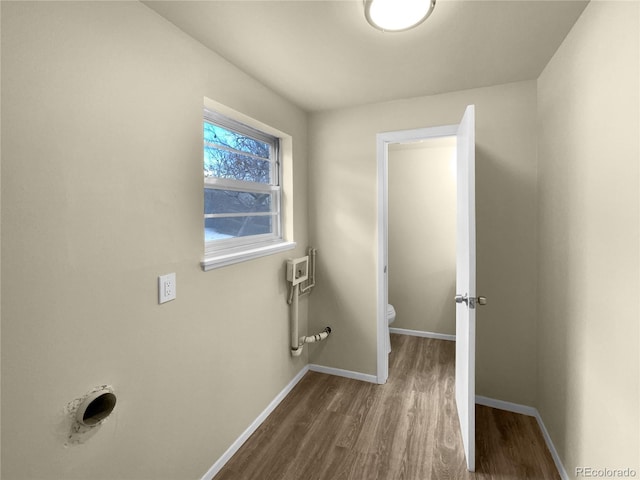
323,54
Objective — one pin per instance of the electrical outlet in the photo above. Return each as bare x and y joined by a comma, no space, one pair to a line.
166,287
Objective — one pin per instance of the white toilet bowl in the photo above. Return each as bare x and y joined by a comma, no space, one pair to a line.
391,316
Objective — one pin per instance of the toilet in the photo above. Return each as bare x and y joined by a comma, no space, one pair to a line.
391,316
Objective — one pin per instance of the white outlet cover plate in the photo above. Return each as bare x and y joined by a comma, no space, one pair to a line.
166,287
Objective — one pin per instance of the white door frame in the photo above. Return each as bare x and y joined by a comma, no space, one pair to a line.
383,140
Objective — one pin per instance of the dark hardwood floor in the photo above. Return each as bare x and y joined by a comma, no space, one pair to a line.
333,428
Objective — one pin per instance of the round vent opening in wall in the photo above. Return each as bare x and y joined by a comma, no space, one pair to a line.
95,408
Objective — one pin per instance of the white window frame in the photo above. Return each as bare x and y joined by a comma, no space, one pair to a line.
222,252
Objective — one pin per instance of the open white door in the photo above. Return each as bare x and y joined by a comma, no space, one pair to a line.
466,285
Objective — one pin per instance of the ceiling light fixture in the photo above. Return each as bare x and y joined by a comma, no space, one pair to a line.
397,15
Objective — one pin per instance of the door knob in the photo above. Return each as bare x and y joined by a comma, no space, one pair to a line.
462,299
471,302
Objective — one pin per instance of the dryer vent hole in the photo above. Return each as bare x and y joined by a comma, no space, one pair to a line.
99,409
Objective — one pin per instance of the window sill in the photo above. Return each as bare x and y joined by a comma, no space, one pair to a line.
223,260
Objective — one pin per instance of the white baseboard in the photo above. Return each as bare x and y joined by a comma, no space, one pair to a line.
235,446
507,406
420,333
530,412
344,373
554,453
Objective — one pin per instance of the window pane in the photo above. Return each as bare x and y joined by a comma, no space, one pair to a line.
241,194
228,227
229,201
225,164
237,141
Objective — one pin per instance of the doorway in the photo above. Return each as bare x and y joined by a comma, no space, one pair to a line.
384,140
422,237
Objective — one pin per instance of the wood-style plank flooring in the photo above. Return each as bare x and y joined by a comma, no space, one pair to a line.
333,428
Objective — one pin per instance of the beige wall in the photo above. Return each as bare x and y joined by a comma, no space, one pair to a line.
343,226
101,193
422,235
588,121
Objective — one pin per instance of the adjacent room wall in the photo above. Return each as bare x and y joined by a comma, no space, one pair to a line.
101,193
422,235
343,200
589,124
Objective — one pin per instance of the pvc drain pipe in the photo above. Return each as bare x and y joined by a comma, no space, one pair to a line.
318,337
297,343
296,348
302,341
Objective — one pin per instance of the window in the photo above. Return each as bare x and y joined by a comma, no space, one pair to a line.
242,191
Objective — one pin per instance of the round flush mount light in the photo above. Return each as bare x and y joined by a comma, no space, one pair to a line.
397,15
